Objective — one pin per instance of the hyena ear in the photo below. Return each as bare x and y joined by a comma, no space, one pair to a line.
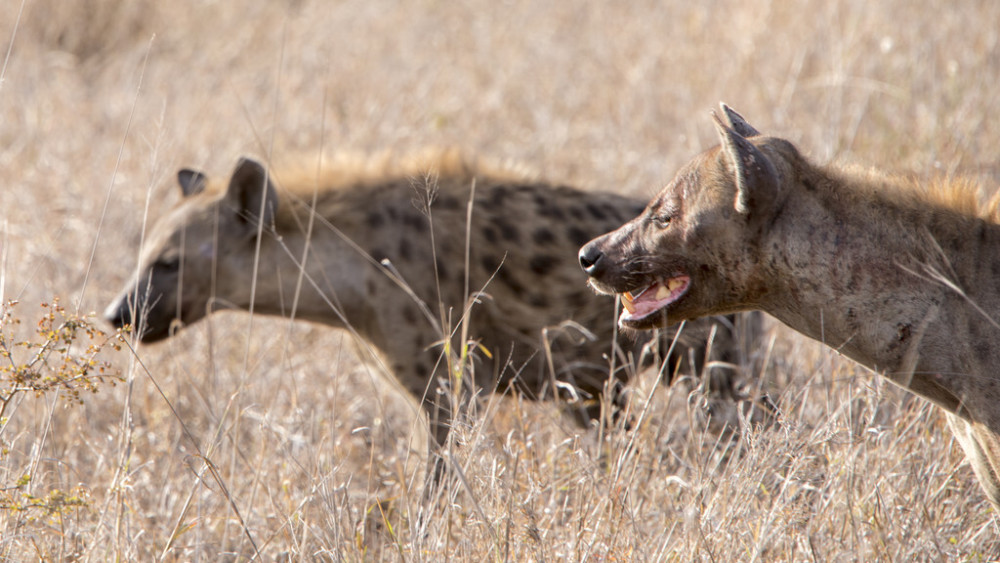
755,175
252,193
737,123
192,182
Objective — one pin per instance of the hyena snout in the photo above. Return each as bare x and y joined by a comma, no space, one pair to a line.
592,259
153,323
118,314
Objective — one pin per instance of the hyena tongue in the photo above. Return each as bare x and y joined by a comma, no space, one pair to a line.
629,298
645,302
653,298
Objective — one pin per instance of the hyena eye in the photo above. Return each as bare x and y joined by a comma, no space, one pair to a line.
662,221
167,265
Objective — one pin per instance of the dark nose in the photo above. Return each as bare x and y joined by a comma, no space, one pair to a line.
118,314
591,259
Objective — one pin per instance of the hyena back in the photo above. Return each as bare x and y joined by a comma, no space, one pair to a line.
899,276
388,243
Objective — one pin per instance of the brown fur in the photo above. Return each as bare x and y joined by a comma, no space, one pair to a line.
901,277
373,267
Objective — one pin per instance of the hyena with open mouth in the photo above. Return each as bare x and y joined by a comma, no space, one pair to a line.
385,243
898,275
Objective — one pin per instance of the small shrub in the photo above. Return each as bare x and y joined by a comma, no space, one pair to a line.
62,355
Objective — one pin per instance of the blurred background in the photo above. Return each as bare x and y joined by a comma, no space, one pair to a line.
101,102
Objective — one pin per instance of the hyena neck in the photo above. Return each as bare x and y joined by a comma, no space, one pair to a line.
866,278
329,292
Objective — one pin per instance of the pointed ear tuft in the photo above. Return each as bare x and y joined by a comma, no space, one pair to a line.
252,192
192,182
737,123
755,175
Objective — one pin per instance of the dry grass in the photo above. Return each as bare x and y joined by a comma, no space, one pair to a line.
101,101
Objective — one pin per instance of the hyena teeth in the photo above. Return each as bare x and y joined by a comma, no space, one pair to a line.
674,284
627,303
663,292
635,296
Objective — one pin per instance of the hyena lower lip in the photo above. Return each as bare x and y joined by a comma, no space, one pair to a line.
644,302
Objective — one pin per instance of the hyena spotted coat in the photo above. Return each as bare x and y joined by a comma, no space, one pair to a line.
384,255
902,277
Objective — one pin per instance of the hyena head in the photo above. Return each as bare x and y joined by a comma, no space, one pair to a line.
691,253
199,256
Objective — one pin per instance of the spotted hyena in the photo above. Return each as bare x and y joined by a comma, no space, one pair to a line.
901,276
407,253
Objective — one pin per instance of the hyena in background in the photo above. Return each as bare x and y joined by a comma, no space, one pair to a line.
387,245
901,277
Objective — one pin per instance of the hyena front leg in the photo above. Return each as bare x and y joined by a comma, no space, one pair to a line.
438,404
426,376
982,448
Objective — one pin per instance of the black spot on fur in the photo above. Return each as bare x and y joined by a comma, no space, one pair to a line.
444,247
542,264
903,331
578,236
442,272
404,249
421,368
414,221
448,203
550,210
498,195
538,300
409,315
490,264
543,235
983,350
596,212
490,234
578,299
375,220
506,276
507,231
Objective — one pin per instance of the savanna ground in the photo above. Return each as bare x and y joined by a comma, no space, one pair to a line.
250,438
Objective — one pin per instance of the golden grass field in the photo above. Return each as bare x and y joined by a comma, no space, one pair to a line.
101,102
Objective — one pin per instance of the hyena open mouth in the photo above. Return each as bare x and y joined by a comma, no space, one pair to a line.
643,302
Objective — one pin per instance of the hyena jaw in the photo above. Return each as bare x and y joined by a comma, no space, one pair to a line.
900,277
